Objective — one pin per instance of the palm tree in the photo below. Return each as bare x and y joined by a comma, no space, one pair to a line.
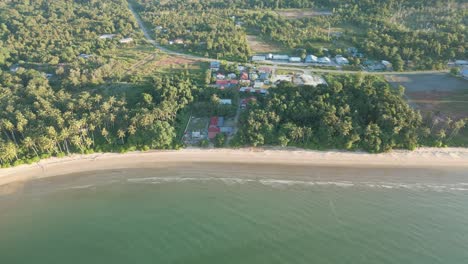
121,135
30,144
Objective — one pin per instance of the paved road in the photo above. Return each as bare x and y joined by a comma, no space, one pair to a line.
276,65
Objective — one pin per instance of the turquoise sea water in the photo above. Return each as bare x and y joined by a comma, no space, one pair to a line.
156,219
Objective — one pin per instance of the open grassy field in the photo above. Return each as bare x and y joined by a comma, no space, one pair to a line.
258,45
441,94
302,13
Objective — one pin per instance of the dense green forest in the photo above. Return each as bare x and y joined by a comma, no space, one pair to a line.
53,32
38,121
352,112
207,33
412,34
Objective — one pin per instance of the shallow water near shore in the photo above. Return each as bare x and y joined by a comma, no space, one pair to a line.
214,214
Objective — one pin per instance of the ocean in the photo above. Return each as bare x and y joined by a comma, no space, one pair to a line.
174,216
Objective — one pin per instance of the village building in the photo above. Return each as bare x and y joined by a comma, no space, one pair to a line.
324,60
258,84
220,76
258,58
107,36
264,76
461,62
311,59
464,72
340,60
225,101
232,76
244,76
295,59
85,56
126,40
281,57
215,65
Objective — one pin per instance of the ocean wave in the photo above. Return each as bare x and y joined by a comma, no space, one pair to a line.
279,183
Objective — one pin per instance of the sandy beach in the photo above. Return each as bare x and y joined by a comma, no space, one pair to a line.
424,158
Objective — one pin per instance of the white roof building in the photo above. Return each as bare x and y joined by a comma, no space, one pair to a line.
311,59
324,60
107,36
295,59
341,60
225,101
126,40
258,58
280,57
461,62
464,72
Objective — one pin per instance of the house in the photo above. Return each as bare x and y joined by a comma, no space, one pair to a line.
196,135
240,68
340,60
258,58
107,36
179,41
324,60
126,40
220,76
246,101
213,131
226,83
280,57
464,72
159,28
311,59
295,59
215,65
387,64
225,101
232,76
269,56
14,68
244,76
258,84
253,76
223,83
85,56
461,62
227,130
264,76
220,121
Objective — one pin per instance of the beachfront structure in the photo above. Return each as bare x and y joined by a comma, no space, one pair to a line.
295,59
324,60
311,59
258,58
280,57
340,60
461,62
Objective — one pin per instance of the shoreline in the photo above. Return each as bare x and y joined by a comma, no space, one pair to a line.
423,158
